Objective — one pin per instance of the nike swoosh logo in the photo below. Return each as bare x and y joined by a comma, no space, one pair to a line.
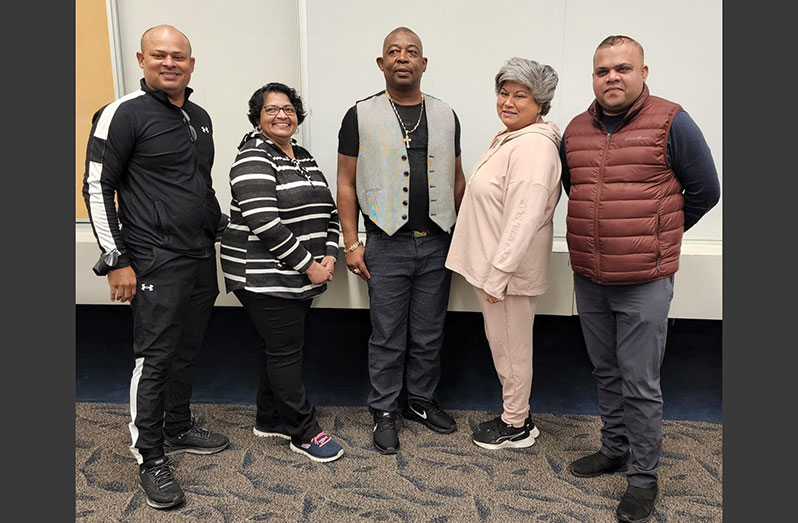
422,415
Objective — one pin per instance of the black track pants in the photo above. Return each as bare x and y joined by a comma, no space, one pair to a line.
171,310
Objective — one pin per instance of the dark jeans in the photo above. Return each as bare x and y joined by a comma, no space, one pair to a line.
408,294
173,304
280,322
625,329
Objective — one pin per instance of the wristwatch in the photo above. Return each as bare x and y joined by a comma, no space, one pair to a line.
352,247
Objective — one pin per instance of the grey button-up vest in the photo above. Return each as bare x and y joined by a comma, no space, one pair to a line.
383,168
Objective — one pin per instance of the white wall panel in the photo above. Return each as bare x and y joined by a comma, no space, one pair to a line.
328,51
239,45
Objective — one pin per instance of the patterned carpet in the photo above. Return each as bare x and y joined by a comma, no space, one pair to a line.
435,478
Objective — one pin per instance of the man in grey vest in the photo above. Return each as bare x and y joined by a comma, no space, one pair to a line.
399,163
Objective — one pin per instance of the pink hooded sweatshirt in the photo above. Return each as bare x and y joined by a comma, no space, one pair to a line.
503,236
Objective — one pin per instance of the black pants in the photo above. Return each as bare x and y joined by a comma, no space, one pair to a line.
280,322
171,310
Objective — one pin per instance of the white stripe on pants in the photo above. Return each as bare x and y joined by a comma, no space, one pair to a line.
508,327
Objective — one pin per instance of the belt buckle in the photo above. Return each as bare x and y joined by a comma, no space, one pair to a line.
419,234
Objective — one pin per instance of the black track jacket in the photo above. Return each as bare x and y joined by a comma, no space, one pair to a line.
143,150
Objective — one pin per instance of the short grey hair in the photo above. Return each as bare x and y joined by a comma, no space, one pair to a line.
540,79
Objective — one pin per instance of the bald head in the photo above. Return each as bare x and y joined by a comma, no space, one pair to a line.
402,63
160,31
166,60
404,30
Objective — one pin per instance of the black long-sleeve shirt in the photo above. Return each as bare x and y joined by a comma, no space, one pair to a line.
689,157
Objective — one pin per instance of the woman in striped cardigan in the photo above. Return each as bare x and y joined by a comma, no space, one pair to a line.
278,252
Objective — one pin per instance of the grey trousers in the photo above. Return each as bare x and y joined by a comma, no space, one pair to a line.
625,328
408,297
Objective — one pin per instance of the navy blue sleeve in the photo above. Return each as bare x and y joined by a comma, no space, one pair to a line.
691,160
566,172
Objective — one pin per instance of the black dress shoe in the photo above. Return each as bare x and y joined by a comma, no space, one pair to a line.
598,464
637,504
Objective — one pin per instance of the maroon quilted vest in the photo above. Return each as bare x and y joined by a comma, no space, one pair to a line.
625,219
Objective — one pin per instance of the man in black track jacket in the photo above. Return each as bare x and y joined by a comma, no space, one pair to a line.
153,151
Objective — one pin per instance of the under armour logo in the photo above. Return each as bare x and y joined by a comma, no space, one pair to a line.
205,130
149,287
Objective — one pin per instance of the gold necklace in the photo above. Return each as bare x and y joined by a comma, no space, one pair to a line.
407,138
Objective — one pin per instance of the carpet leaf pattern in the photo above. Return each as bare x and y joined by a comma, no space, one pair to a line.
436,478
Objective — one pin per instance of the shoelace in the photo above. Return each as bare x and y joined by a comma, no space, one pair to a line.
385,423
432,407
496,424
197,431
320,439
162,475
302,170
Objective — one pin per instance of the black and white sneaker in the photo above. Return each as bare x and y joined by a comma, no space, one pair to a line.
195,440
533,430
159,485
496,434
430,414
386,440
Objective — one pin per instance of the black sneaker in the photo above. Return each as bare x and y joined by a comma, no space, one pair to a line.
533,430
159,485
637,504
496,434
195,440
386,441
430,414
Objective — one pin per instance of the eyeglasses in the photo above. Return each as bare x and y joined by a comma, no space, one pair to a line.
191,130
272,110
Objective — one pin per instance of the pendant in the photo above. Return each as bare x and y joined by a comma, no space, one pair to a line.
407,140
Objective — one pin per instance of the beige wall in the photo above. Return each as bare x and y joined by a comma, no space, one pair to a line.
94,83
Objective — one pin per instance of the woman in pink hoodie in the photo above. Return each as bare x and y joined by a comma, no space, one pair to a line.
503,238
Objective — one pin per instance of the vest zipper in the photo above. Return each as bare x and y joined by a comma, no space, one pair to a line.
602,165
659,252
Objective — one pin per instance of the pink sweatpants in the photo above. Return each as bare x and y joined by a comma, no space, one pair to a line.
508,327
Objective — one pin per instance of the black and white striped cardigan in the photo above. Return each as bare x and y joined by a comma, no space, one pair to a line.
282,217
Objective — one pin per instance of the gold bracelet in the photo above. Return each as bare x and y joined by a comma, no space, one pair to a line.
352,247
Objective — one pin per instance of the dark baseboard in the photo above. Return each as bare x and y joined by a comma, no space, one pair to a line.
335,365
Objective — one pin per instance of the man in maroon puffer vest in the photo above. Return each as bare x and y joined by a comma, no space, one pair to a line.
638,173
